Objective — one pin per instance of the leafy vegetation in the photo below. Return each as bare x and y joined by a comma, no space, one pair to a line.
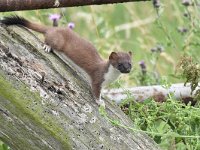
3,146
159,37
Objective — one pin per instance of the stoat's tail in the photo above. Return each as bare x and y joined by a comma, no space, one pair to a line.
16,20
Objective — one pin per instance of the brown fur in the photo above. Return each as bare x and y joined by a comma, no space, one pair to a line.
79,50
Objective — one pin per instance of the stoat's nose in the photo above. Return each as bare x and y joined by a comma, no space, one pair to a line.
128,70
124,68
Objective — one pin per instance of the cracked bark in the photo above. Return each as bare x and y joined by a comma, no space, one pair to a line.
46,103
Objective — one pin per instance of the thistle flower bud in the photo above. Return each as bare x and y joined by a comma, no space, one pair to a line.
186,14
156,3
186,2
160,48
182,30
157,48
71,25
143,67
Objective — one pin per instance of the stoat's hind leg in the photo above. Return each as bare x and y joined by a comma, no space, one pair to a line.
47,48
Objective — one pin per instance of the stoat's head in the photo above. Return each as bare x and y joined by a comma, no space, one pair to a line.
121,61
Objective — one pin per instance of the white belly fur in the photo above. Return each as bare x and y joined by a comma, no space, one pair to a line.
110,76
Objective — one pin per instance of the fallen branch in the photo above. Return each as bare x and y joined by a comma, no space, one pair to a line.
159,93
16,5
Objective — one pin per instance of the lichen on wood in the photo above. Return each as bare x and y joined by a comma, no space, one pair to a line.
45,102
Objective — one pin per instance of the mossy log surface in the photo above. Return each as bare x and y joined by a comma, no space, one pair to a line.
46,103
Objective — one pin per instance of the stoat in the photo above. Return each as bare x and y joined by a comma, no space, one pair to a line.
81,52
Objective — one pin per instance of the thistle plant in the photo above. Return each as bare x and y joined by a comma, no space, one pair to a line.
55,18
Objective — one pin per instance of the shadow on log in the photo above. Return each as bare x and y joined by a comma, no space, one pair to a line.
46,103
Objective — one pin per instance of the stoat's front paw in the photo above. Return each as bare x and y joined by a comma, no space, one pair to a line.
46,48
101,102
56,3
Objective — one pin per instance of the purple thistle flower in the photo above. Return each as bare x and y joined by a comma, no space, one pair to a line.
71,25
54,18
142,64
143,67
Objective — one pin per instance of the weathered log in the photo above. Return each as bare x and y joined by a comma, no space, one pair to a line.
15,5
46,103
158,92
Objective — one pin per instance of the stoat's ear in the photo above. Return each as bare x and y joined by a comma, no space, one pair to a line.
113,55
130,53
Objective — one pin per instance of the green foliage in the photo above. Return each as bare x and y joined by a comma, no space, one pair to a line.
172,124
190,70
3,146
